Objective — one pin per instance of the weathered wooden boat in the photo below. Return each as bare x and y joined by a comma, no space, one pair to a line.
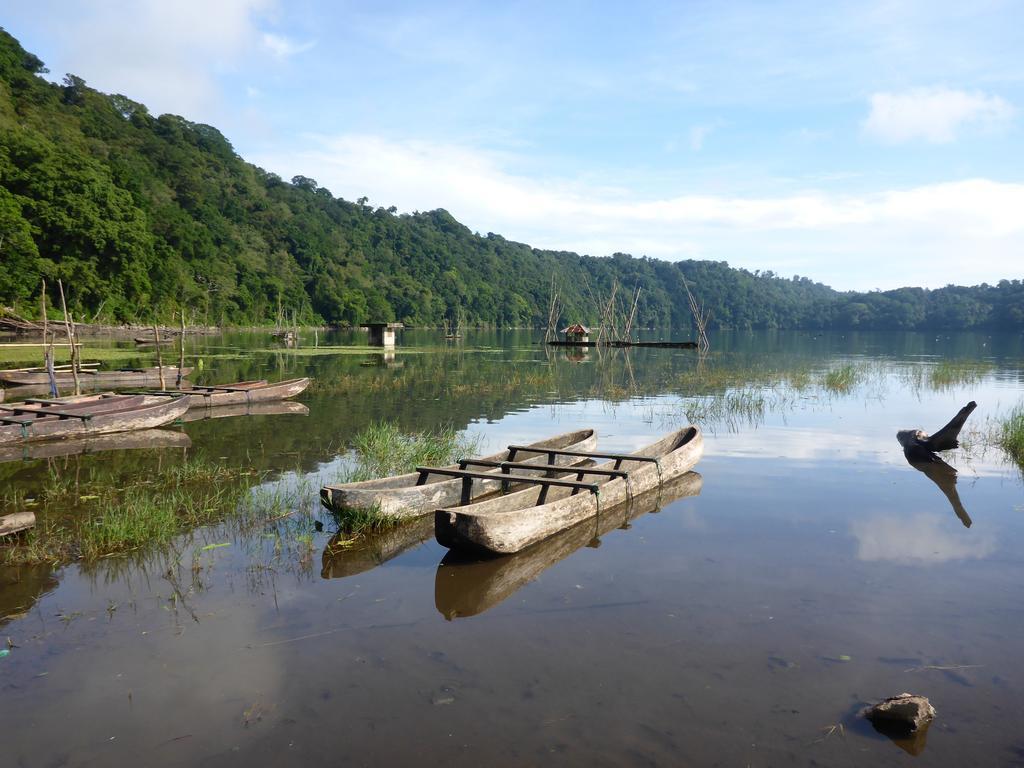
244,392
145,439
16,522
123,377
85,415
278,408
503,525
466,586
413,494
151,340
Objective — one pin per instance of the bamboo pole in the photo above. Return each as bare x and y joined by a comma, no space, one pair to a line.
181,349
69,328
159,357
48,351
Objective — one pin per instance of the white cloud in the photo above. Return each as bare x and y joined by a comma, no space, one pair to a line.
920,539
167,55
698,134
935,115
282,47
964,231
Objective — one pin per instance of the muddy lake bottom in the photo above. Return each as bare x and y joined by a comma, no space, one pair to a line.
808,571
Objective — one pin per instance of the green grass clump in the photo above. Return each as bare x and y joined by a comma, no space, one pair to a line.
842,379
382,449
947,374
364,521
1011,434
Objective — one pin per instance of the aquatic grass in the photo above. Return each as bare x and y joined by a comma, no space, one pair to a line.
947,374
148,512
363,521
33,356
842,379
382,449
1010,435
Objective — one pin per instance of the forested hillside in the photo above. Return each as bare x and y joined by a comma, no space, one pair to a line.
142,215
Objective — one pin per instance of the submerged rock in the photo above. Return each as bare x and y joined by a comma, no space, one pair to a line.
906,710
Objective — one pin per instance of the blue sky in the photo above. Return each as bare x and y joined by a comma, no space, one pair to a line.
866,145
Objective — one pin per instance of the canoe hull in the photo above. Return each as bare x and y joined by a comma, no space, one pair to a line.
149,413
399,496
505,525
147,377
255,392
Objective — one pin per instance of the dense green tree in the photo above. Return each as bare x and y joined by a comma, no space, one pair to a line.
141,215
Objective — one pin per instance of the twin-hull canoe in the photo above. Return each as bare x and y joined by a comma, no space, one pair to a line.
244,392
507,524
466,586
91,379
400,496
87,415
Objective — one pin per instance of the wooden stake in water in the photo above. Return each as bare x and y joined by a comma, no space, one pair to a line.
159,357
47,350
181,349
71,339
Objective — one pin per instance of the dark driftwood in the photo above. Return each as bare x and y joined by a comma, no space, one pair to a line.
917,442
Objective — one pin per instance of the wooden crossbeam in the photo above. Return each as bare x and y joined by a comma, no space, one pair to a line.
552,452
49,412
568,469
468,476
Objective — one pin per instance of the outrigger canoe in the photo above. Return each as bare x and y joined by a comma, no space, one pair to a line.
91,379
507,524
85,415
413,494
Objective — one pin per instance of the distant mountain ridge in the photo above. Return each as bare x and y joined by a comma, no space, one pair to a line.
141,215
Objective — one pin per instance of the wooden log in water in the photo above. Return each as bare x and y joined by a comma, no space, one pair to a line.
918,443
19,521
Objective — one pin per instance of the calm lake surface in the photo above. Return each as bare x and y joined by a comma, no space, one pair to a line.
806,571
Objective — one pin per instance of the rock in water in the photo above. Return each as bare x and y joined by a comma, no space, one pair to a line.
906,709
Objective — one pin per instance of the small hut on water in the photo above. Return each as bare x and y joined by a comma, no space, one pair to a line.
576,332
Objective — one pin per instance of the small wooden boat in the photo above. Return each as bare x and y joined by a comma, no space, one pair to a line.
16,522
503,525
411,495
468,586
144,439
85,415
151,340
124,377
244,392
279,408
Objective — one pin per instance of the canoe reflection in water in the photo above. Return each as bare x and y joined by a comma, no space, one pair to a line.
465,585
943,475
341,559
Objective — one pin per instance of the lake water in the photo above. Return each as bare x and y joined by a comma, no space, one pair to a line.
807,571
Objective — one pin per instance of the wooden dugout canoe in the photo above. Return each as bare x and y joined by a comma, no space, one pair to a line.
400,496
468,586
86,415
507,524
244,393
91,379
279,408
